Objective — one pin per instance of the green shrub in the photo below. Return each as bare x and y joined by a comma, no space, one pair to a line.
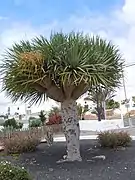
12,123
12,172
113,139
35,123
20,125
21,142
42,117
32,118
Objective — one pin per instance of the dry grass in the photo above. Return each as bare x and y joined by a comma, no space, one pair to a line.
21,142
26,140
113,139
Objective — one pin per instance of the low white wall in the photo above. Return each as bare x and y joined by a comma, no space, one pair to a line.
94,125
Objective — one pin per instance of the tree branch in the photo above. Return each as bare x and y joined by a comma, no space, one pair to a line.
79,90
52,90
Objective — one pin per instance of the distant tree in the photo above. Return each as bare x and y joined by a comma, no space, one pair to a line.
99,95
20,125
13,124
35,123
4,116
125,101
10,123
42,116
82,110
111,104
32,118
133,99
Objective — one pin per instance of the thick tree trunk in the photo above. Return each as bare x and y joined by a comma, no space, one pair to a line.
71,130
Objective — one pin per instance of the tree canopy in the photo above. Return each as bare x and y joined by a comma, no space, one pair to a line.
62,67
42,117
100,94
111,104
81,110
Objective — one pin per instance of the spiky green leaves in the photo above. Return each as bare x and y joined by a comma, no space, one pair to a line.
64,66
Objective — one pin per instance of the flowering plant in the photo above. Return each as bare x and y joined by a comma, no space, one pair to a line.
9,171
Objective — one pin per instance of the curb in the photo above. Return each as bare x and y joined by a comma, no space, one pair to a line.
62,139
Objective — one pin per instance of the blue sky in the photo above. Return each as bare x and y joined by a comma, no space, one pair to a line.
43,11
111,19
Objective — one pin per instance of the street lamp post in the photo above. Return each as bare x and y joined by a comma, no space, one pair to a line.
125,93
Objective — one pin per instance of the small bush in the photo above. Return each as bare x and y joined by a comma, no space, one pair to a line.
35,123
32,118
42,116
21,142
11,172
20,125
54,119
114,139
12,123
54,116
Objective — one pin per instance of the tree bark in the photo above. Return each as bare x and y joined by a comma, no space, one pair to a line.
98,109
71,130
102,113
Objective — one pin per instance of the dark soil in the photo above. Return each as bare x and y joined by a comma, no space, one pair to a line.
118,165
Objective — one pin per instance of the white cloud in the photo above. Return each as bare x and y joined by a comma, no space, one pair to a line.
128,11
118,26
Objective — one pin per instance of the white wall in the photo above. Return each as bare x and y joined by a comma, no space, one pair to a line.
94,125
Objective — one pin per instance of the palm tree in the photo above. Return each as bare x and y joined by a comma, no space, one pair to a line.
111,104
82,111
42,116
99,95
133,99
62,68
